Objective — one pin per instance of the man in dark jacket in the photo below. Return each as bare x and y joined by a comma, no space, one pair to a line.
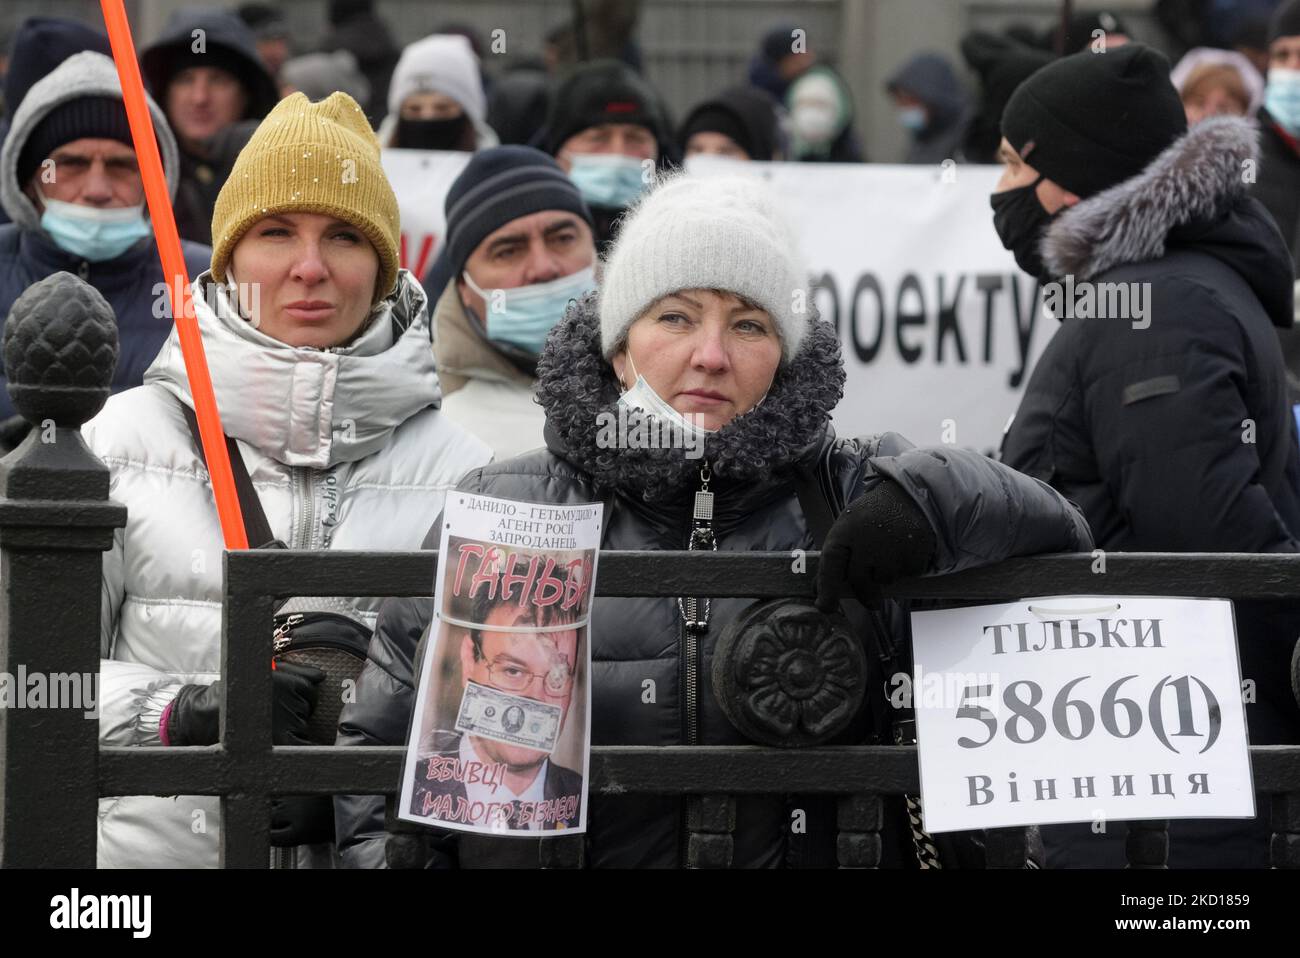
205,71
1166,422
39,45
608,130
70,182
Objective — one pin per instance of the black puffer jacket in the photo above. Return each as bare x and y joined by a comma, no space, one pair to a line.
1178,437
980,512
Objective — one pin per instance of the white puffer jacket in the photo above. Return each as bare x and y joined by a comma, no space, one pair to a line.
347,450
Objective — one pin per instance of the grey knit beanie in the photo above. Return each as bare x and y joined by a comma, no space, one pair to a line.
705,232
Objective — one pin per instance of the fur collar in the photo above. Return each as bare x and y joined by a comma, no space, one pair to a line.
1198,177
576,384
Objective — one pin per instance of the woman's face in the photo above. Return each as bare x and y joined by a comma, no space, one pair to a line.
705,353
305,279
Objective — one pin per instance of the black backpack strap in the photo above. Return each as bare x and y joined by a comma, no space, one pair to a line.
256,527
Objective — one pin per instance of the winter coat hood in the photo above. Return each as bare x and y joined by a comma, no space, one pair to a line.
1192,195
84,74
930,78
311,407
228,44
579,390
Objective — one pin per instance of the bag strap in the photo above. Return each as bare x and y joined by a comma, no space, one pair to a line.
256,526
819,512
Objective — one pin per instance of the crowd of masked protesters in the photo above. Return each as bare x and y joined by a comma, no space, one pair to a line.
582,270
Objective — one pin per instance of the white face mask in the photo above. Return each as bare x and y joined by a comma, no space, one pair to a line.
643,397
93,233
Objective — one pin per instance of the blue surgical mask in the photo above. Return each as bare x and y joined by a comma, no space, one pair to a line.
1282,98
608,180
913,118
524,315
91,232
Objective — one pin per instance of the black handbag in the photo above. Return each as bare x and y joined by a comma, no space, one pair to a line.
334,643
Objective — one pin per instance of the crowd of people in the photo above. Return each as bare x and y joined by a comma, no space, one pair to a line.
582,272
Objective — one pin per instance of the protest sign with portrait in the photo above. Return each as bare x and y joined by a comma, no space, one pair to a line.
500,737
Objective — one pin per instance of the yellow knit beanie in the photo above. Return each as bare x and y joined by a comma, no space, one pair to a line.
310,158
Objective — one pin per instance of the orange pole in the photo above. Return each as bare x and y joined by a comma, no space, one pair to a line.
173,264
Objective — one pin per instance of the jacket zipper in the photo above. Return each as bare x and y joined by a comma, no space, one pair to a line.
306,507
286,858
699,535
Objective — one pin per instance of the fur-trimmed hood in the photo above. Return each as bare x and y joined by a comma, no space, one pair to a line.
1194,194
576,384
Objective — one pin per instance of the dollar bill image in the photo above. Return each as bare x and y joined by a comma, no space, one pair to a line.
513,719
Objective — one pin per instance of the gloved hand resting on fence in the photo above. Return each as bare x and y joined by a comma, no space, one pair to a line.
880,537
193,716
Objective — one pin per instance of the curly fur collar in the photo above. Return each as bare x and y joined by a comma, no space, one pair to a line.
576,384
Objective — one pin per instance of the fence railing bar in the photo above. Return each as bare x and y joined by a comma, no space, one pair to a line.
764,574
741,769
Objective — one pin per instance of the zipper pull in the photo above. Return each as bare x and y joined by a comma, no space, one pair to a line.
695,612
702,515
283,633
703,497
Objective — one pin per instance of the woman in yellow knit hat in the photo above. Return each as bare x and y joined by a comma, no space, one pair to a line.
320,357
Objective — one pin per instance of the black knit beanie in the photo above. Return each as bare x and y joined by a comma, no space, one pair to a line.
717,119
499,185
1091,120
1285,22
96,117
602,91
746,114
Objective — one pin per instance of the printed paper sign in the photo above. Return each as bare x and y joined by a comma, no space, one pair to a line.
1080,709
500,738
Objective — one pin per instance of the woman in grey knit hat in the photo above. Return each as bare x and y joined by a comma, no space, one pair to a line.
692,395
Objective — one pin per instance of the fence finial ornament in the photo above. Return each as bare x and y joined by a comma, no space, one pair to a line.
60,350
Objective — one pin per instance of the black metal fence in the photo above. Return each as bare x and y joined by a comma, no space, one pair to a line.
56,520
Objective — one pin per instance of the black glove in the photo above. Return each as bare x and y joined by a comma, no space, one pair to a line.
882,536
196,713
296,689
297,819
302,820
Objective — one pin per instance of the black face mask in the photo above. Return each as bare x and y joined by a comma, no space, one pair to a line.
431,134
1021,221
